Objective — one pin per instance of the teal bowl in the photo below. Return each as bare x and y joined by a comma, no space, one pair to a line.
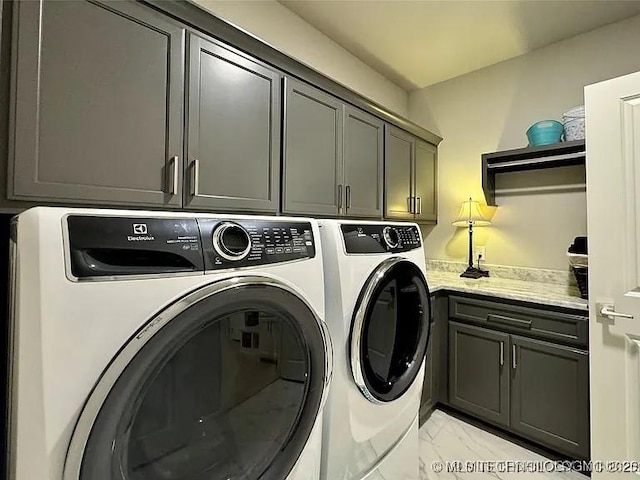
545,132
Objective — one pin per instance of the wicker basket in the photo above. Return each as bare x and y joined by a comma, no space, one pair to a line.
582,277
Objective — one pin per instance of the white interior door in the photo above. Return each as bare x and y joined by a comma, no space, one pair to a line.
613,196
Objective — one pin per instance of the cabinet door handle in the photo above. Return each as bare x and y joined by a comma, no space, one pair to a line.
173,176
195,184
410,205
348,195
339,197
514,362
419,205
501,353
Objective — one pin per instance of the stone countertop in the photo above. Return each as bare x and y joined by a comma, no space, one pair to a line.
527,291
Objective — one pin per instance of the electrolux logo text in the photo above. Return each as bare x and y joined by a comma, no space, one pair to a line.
140,233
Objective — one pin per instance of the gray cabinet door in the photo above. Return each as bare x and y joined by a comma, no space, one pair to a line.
398,174
426,177
312,151
363,163
479,372
550,395
98,104
233,130
427,400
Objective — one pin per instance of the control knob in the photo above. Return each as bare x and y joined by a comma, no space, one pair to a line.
391,237
231,241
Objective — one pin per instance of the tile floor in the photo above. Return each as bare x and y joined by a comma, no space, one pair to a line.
444,438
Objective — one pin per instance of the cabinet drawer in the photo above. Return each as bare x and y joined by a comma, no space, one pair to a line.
562,327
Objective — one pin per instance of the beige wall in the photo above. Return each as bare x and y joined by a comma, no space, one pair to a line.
284,30
489,110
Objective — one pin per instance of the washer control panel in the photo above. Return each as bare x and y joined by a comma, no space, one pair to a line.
115,246
240,243
380,238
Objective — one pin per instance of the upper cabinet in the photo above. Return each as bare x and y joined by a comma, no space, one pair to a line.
426,181
312,158
333,156
98,104
233,147
410,177
363,163
116,103
398,175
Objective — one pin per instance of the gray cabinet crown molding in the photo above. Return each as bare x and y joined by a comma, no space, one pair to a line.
208,23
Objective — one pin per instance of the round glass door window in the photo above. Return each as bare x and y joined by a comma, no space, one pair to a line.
229,388
390,330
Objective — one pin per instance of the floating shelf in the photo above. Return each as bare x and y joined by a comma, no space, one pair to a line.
531,158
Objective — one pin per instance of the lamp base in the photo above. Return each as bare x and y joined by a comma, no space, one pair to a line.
473,272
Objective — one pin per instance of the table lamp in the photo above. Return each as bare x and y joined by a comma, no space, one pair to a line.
469,216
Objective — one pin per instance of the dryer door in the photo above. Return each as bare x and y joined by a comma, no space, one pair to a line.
224,384
390,330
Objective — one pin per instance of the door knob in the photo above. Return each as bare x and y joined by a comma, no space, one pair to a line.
609,310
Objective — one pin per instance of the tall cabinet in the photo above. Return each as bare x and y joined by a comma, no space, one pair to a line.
410,177
98,112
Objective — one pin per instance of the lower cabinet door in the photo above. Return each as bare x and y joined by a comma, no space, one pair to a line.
427,400
550,395
479,372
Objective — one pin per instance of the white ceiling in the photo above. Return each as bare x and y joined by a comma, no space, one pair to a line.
421,42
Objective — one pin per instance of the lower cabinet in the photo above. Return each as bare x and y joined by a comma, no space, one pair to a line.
434,363
536,389
550,394
478,375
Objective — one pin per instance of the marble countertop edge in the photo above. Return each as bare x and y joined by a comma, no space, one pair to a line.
566,296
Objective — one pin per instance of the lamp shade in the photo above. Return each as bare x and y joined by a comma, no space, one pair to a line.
470,213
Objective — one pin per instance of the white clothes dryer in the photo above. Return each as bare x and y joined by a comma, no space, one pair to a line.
166,346
378,313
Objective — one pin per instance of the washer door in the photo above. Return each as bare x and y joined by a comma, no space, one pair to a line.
390,330
224,384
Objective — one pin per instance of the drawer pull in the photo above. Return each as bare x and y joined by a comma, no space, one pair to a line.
512,322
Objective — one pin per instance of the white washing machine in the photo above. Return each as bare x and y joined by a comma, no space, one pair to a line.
378,313
166,346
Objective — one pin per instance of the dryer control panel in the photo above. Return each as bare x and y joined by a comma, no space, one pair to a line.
244,243
380,238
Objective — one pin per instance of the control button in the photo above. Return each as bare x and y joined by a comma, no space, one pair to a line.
279,250
231,241
308,243
287,250
391,237
297,249
270,251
